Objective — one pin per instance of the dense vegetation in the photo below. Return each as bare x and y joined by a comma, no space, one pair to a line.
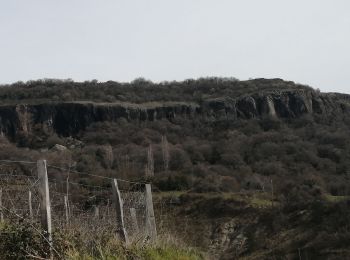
139,90
294,164
304,156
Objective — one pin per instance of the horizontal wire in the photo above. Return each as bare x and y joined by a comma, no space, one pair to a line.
87,185
10,161
93,175
65,169
17,175
83,173
76,183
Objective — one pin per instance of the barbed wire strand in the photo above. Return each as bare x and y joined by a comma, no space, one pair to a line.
76,183
17,175
11,161
93,175
77,172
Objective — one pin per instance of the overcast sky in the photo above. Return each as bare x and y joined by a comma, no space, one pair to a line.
307,41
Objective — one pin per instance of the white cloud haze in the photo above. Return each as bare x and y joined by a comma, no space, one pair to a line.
304,41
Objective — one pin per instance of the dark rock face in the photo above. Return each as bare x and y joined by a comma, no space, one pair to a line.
67,119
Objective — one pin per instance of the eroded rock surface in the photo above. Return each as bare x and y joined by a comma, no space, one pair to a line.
69,118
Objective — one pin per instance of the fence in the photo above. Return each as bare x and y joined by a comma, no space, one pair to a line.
52,199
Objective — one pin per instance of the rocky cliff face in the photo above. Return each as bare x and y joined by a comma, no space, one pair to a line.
67,119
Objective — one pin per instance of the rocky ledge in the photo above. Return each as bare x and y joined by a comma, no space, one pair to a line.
69,118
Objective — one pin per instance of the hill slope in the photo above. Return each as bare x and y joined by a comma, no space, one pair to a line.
279,144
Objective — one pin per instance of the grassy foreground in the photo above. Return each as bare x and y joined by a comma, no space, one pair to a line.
23,241
156,252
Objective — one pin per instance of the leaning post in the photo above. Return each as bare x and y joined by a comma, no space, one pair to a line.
150,218
1,211
45,206
30,205
96,212
66,208
118,202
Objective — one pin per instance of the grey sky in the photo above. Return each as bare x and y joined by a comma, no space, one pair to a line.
307,41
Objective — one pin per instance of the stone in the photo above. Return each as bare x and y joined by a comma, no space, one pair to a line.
59,148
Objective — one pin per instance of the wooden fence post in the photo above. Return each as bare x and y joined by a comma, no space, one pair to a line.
150,218
96,212
134,220
1,211
66,208
121,231
45,200
30,205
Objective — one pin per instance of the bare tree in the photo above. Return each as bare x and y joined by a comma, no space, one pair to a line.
150,162
124,166
165,151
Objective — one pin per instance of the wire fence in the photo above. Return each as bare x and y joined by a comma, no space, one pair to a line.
74,203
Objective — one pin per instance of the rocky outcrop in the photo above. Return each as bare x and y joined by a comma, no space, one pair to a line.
67,119
228,239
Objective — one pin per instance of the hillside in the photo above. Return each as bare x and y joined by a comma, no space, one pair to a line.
262,164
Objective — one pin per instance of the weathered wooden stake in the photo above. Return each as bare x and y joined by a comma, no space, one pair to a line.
134,220
38,209
121,231
67,191
66,209
150,218
1,211
45,200
30,205
97,212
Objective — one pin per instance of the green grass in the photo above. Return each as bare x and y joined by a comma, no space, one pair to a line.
170,253
168,194
115,251
253,199
331,198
